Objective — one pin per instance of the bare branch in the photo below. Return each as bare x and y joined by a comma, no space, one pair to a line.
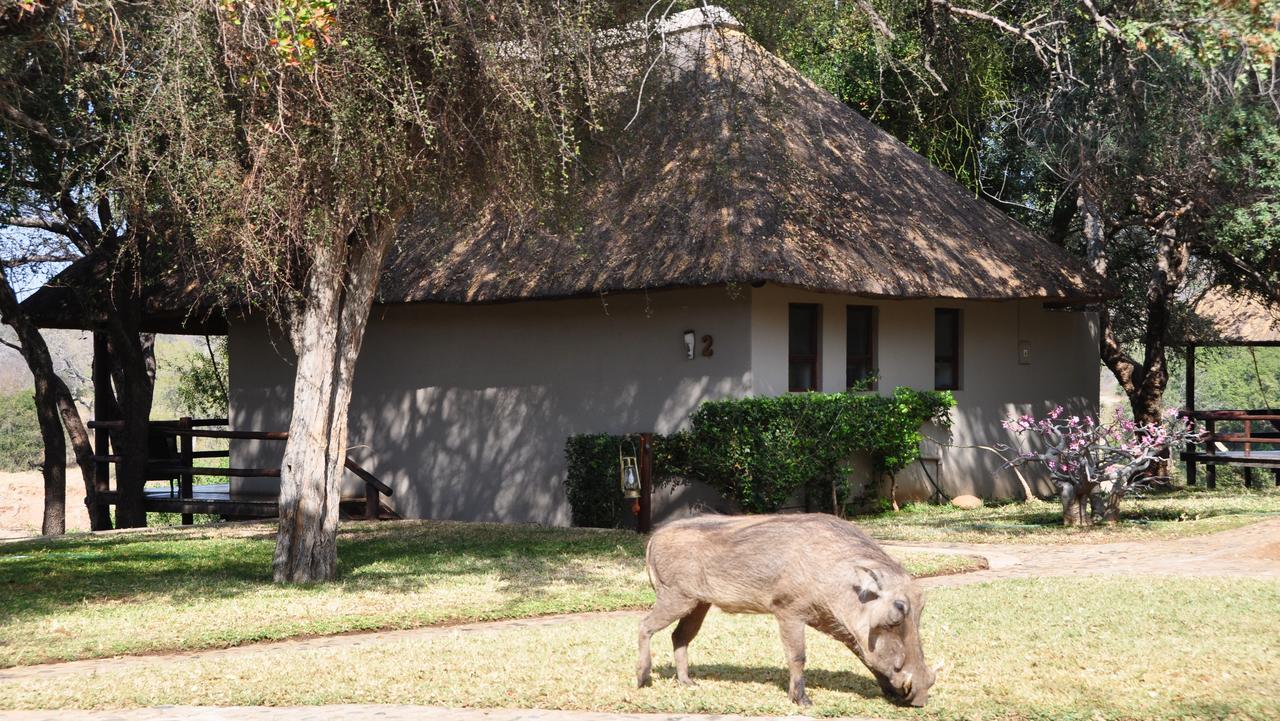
15,116
28,221
1042,51
38,258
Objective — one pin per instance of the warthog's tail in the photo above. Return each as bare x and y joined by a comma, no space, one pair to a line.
648,562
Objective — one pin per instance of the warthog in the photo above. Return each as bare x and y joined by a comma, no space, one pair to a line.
807,570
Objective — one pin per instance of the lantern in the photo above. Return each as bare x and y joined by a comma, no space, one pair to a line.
629,473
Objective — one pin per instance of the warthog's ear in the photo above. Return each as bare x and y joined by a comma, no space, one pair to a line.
867,584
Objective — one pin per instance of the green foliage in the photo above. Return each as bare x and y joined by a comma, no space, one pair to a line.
201,389
760,452
595,494
593,482
21,448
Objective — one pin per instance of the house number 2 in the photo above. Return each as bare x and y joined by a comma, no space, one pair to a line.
707,351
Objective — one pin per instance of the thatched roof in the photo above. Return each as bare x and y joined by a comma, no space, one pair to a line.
1223,316
736,170
740,170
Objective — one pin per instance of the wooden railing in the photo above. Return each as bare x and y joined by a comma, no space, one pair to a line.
1251,436
180,462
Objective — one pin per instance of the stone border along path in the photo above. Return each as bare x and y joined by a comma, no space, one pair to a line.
1251,551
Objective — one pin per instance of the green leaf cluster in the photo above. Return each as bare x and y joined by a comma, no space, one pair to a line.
761,452
21,448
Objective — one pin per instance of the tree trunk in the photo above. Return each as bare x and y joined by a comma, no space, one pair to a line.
1107,507
36,353
132,372
326,339
82,447
1075,506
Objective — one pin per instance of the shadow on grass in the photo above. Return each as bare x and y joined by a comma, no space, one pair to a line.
853,682
47,577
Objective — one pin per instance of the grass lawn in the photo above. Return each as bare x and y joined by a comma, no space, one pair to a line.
1188,512
87,597
1063,649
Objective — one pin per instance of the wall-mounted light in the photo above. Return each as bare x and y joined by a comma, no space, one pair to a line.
688,344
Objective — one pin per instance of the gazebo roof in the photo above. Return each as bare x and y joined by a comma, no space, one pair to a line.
737,169
1223,316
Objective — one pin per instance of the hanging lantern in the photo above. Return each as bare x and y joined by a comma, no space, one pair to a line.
629,473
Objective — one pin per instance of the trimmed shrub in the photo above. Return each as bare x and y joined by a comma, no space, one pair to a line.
760,452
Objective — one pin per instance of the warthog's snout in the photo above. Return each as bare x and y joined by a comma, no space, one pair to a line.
908,688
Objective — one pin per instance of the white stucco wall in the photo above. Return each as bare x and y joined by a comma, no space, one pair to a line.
994,385
464,410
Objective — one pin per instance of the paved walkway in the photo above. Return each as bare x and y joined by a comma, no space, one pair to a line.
1252,551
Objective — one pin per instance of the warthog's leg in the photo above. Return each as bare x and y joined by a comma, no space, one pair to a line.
665,612
680,638
792,632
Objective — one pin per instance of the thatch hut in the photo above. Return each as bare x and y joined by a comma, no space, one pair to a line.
802,247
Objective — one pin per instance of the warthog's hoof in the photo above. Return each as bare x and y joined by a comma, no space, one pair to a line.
803,700
686,682
643,680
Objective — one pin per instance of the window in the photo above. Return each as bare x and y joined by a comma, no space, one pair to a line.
860,347
946,349
803,324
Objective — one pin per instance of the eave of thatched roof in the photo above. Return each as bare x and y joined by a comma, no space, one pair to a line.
172,304
736,170
740,170
1222,316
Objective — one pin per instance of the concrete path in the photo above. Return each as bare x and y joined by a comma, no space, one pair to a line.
1252,551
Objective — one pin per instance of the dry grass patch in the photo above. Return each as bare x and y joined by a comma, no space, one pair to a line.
128,593
1086,650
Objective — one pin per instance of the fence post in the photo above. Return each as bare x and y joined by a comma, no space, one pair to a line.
101,412
644,523
1191,408
186,481
1211,445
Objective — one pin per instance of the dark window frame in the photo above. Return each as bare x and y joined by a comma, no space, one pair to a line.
872,346
815,357
953,355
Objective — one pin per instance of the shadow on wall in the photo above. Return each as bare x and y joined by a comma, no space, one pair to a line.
965,469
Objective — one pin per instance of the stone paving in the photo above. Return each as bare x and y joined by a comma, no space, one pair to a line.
1252,551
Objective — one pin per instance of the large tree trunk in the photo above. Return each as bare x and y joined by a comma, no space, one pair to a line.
36,353
1144,382
326,339
132,372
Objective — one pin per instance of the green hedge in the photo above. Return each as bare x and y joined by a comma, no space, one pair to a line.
760,452
595,491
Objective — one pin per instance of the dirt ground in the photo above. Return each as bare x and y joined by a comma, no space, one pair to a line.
22,503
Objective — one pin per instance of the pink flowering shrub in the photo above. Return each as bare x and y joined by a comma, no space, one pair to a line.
1095,465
